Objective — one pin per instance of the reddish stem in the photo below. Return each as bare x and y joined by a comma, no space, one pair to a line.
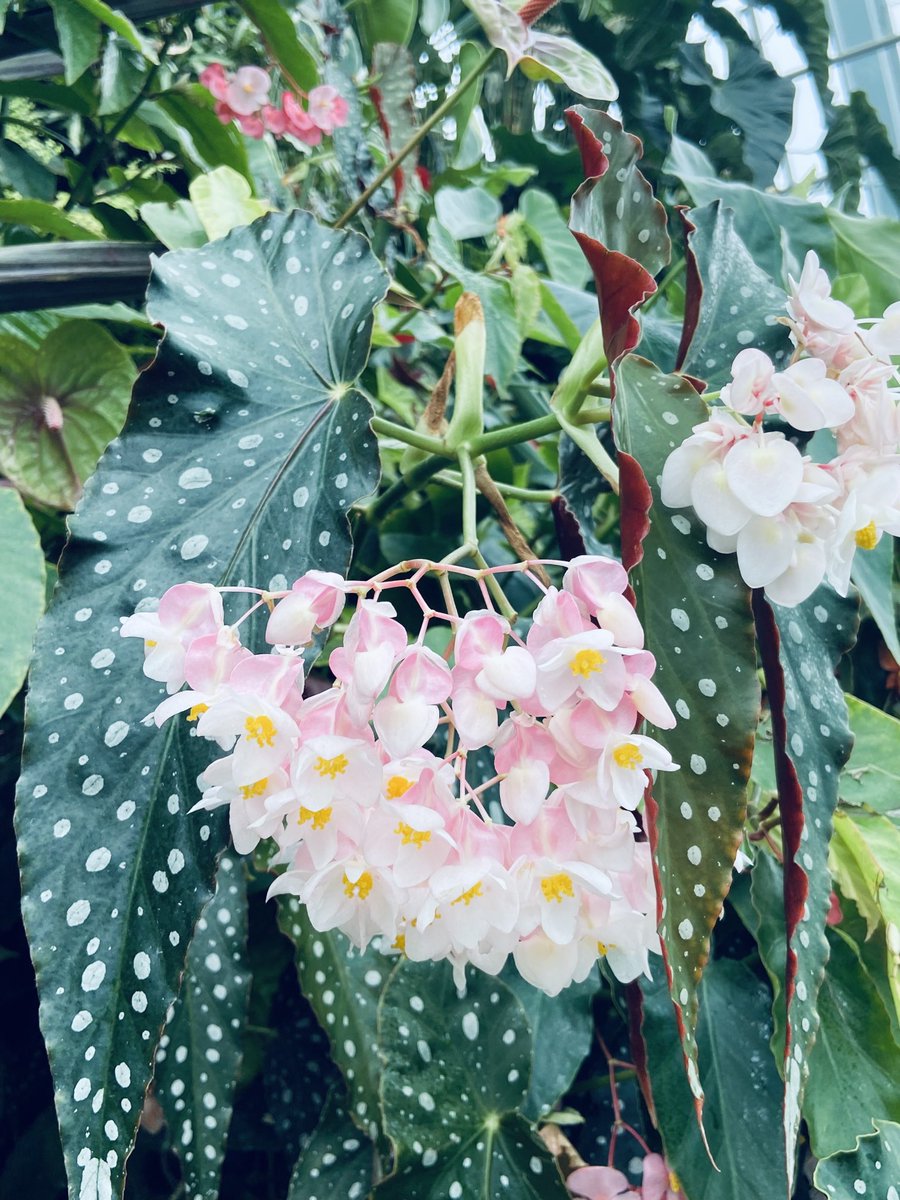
534,9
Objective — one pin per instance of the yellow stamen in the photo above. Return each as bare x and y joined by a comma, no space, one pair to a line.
332,767
261,730
319,817
586,662
555,887
361,888
396,786
603,948
466,898
867,537
148,645
627,755
413,837
255,789
399,943
674,1183
196,711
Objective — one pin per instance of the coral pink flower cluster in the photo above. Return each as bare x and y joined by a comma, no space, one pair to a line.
244,97
606,1183
791,521
385,825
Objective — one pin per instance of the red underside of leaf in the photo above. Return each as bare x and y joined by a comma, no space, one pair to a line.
693,289
398,178
568,534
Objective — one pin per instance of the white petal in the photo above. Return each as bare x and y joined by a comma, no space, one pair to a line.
764,475
765,548
715,502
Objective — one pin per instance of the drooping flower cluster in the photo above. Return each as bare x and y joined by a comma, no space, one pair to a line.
791,521
367,786
244,97
606,1183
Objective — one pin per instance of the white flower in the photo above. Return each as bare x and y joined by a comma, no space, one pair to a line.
808,399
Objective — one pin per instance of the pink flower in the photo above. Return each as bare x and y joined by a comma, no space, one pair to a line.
315,602
186,611
274,119
299,123
247,91
215,79
606,1183
327,108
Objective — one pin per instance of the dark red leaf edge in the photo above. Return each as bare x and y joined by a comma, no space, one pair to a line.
693,288
623,283
386,118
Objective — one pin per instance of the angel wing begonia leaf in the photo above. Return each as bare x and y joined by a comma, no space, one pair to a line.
619,224
696,613
245,446
872,1168
800,649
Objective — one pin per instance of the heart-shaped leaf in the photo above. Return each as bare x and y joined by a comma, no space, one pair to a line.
60,406
456,1073
337,1161
22,571
800,649
619,225
245,446
200,1053
696,612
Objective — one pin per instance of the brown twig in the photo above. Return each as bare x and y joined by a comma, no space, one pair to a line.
433,417
513,534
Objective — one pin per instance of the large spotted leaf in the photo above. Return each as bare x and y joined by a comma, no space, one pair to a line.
801,648
696,613
730,302
872,1169
619,225
199,1054
245,445
456,1075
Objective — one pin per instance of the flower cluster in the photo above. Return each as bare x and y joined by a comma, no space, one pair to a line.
793,521
366,786
606,1183
244,97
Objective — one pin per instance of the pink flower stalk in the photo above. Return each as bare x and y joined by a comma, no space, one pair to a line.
244,97
380,835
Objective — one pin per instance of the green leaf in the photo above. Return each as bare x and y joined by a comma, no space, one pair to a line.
86,376
22,572
223,201
385,21
122,75
45,218
25,174
871,1167
865,859
186,117
176,225
280,36
695,610
767,899
239,461
562,1032
393,94
456,1073
742,1087
468,212
873,574
336,1163
801,648
343,986
548,230
872,776
79,37
470,55
116,20
199,1054
855,1042
737,303
755,99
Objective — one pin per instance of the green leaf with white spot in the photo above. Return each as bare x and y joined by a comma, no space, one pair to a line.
801,648
741,1083
343,985
456,1074
23,573
337,1161
239,461
873,574
199,1054
61,404
871,1169
695,610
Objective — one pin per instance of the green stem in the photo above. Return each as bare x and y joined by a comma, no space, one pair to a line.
494,587
415,478
535,495
513,435
601,388
410,437
101,149
675,269
592,416
424,129
422,306
589,444
470,498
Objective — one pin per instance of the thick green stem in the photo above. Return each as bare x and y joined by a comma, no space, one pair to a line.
410,437
424,129
513,435
470,498
534,495
589,444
